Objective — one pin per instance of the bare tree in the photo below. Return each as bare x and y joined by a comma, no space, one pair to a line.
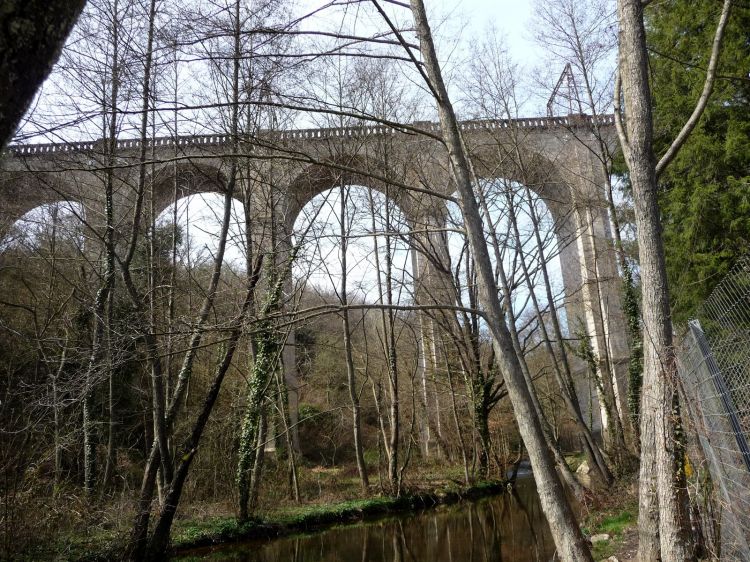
582,35
493,91
663,527
350,372
565,530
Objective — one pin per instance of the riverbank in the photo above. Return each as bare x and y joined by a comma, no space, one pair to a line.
614,515
204,526
191,535
609,519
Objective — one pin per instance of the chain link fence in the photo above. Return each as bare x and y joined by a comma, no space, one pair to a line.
714,371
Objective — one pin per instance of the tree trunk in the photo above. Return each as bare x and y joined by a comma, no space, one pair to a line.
102,295
567,474
563,376
260,454
385,296
565,531
350,372
659,498
160,539
33,34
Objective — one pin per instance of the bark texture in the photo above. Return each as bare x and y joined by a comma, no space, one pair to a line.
32,33
663,532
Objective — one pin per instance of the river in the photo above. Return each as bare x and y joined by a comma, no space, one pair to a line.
507,527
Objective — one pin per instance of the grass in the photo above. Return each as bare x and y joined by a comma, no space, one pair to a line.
613,513
616,524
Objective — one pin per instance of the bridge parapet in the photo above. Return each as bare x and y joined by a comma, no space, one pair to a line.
357,131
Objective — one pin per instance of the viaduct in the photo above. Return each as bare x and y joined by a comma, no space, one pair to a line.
280,171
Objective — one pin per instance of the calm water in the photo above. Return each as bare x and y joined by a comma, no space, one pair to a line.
509,527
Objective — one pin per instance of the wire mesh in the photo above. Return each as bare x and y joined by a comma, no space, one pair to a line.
714,368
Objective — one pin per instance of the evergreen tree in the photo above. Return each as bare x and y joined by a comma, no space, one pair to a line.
705,197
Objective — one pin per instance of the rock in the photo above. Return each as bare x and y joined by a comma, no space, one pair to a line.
610,559
599,538
583,468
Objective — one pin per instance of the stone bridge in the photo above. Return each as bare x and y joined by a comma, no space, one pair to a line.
278,172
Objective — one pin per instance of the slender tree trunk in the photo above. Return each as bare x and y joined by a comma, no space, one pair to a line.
390,336
565,531
457,424
260,453
56,411
563,376
618,448
110,464
350,372
283,395
160,539
157,382
478,383
659,499
385,295
102,295
554,447
268,358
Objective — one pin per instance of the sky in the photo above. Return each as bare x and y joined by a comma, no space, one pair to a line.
458,27
510,17
471,18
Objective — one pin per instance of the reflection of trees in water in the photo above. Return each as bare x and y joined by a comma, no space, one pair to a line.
509,527
487,520
520,505
365,543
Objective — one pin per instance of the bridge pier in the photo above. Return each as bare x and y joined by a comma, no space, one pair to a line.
434,286
599,310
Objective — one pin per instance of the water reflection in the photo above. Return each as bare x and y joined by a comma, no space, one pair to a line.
509,527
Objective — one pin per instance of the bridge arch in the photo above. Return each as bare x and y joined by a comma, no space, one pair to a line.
176,180
351,170
24,191
369,226
59,221
198,218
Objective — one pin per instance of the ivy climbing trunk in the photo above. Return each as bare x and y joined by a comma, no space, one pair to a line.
269,345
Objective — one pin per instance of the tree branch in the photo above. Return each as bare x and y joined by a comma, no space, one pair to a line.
619,125
708,87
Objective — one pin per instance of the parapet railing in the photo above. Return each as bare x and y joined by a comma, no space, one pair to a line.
357,131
